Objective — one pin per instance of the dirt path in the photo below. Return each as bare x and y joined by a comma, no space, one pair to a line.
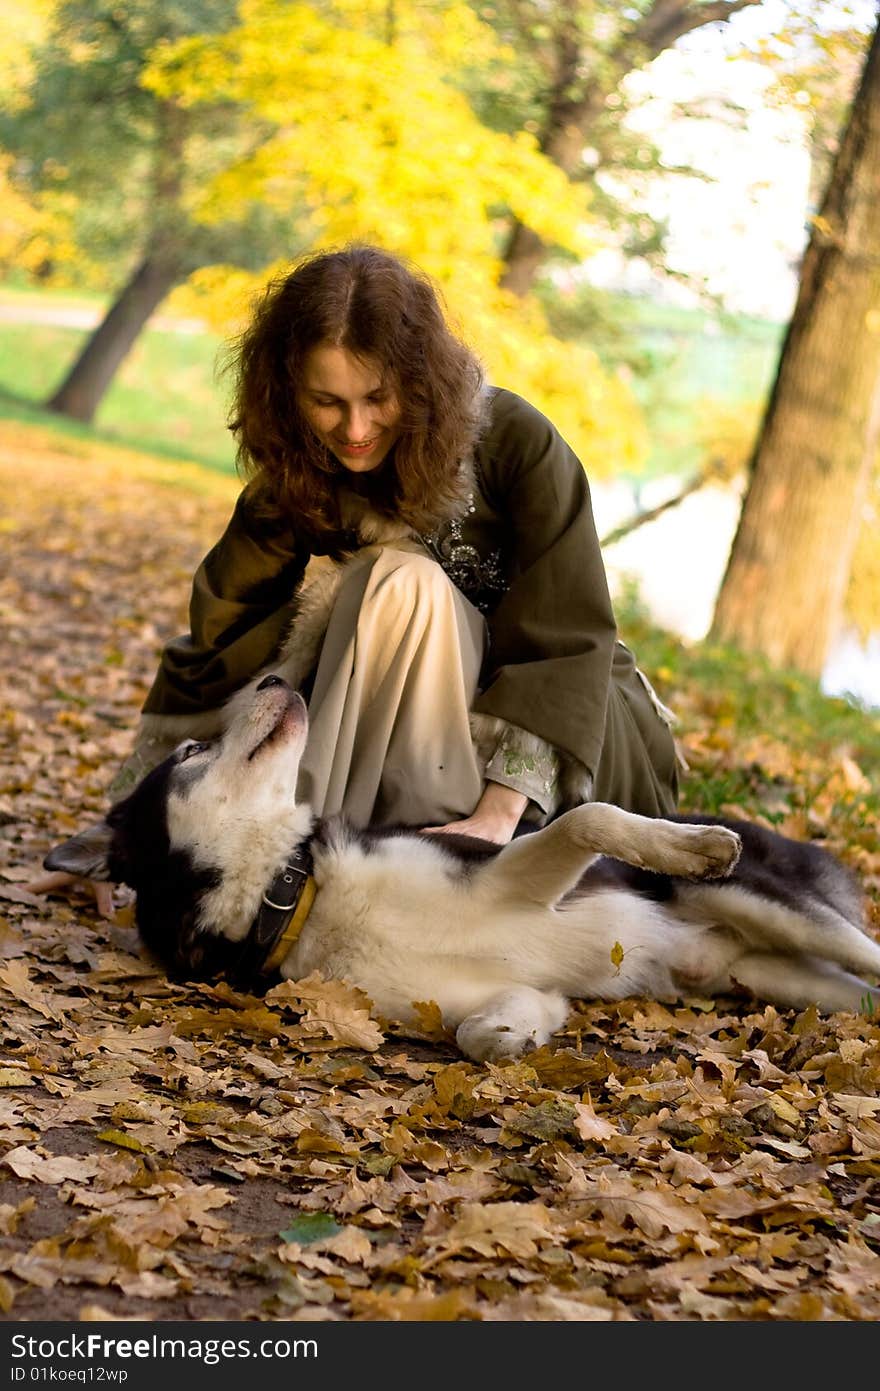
23,310
190,1153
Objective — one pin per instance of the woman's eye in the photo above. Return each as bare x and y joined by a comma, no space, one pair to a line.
194,747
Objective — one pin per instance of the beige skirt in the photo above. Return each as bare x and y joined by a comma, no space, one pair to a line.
394,664
391,738
389,735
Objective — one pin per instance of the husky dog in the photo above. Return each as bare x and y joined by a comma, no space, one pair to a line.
234,878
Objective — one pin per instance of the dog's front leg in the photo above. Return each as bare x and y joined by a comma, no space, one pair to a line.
513,1022
544,866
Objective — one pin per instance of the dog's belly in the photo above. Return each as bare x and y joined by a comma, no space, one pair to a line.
405,925
398,960
417,933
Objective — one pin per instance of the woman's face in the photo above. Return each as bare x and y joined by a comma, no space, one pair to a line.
343,399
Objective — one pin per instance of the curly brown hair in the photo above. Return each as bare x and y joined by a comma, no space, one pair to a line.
378,307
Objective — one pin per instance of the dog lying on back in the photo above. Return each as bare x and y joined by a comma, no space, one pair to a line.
234,879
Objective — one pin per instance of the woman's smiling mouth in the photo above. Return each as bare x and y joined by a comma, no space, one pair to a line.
363,448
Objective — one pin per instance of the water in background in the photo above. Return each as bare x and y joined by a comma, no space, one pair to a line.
678,563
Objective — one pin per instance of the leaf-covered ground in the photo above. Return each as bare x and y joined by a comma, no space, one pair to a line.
190,1153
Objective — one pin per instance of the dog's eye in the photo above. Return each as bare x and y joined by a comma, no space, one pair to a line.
189,749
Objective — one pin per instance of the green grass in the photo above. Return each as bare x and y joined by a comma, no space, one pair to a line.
721,688
689,368
165,397
764,696
697,361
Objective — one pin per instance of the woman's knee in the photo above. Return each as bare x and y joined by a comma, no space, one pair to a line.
410,598
411,582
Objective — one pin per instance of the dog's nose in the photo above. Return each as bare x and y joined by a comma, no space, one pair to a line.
268,681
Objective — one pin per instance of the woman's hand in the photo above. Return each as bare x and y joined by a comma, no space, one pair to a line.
59,880
495,817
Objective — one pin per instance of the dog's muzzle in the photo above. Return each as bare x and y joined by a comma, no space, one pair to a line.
282,915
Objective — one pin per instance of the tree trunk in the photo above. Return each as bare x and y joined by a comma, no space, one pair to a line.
522,258
569,117
714,469
80,394
161,268
786,578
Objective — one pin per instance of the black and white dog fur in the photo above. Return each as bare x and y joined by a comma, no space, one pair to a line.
500,938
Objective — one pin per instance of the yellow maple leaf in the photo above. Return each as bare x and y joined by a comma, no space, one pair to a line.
333,1007
514,1228
123,1140
428,1022
16,978
590,1126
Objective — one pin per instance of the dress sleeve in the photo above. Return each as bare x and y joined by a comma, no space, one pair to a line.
238,613
552,635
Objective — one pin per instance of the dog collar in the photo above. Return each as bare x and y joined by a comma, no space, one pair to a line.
282,914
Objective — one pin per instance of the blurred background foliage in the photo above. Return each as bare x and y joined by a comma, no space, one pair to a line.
161,159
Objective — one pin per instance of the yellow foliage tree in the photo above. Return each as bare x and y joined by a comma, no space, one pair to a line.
367,138
32,230
23,24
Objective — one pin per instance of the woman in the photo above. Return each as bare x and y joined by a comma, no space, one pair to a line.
464,673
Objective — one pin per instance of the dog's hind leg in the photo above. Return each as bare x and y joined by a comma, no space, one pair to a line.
796,982
766,924
544,866
833,936
513,1022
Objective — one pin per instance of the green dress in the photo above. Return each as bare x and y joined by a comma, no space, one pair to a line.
572,706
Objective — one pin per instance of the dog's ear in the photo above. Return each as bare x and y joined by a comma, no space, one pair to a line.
85,854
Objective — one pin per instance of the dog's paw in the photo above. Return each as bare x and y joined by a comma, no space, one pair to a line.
706,852
488,1039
